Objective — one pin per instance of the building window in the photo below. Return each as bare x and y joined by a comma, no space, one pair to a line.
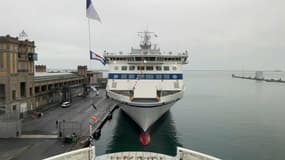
149,68
37,90
124,68
174,76
31,91
1,62
23,89
14,107
174,68
2,92
116,68
14,95
158,68
166,68
131,68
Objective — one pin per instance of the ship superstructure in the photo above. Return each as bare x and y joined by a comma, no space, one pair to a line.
145,82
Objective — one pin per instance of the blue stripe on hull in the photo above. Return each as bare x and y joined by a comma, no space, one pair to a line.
145,76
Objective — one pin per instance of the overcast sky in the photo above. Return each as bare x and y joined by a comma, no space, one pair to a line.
220,34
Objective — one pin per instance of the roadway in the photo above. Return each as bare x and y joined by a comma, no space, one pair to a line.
38,148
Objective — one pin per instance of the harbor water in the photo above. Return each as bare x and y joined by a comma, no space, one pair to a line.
230,118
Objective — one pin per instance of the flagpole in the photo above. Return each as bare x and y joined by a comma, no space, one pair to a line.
89,34
91,13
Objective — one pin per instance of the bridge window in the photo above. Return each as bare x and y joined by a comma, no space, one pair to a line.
158,68
166,68
140,68
174,76
149,68
138,59
124,68
131,68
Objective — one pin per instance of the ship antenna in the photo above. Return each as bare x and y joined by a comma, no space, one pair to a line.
146,36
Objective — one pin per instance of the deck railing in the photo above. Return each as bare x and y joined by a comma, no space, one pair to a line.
81,154
89,154
187,154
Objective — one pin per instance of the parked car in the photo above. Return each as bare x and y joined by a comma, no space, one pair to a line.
65,104
95,90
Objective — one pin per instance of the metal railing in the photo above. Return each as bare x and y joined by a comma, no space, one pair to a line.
187,154
81,154
10,116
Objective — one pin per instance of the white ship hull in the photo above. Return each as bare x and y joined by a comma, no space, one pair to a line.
145,116
148,112
146,82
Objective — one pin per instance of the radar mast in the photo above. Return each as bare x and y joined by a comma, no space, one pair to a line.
146,36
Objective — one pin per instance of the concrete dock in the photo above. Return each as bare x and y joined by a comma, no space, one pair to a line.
39,137
258,79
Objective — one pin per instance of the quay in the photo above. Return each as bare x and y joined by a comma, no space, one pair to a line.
259,77
40,137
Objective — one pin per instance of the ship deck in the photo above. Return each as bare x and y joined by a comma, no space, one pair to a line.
135,156
88,154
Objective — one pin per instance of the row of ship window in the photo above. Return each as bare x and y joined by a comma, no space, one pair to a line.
145,76
147,68
146,58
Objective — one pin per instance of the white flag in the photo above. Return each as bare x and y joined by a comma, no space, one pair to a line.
91,12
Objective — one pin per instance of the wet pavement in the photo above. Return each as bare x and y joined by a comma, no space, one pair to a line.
39,148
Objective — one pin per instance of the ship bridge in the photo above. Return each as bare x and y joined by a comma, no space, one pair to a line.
147,54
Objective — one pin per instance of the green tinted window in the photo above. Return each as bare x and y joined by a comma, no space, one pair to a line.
149,76
166,76
166,68
124,68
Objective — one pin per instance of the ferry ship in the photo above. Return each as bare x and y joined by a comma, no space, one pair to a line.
146,82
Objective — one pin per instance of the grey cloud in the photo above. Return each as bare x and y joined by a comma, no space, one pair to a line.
222,34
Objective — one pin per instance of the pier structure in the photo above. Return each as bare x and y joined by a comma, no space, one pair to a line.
259,76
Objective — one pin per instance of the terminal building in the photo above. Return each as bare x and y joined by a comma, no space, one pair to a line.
25,86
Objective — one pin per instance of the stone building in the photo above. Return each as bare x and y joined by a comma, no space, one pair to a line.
94,77
41,68
82,70
22,89
52,88
16,74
